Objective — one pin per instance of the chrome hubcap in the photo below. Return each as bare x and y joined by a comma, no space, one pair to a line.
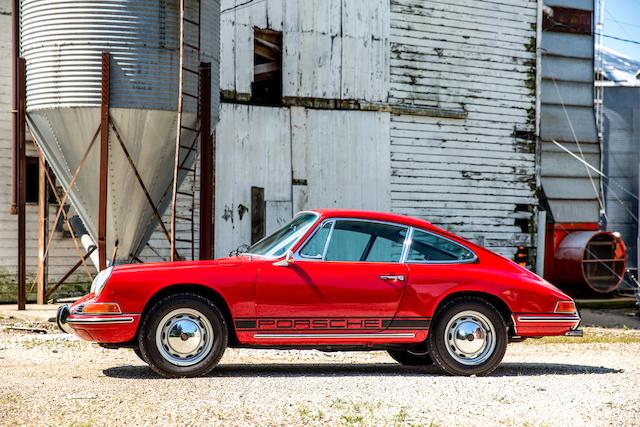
184,337
470,338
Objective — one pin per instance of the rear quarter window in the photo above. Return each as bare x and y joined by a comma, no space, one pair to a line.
429,247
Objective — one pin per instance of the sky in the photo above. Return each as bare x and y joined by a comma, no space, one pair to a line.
622,20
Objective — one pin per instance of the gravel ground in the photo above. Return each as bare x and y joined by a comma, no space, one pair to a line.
55,379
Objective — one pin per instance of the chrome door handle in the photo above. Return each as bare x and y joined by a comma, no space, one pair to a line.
399,277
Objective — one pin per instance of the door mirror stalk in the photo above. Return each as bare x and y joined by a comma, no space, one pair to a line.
286,261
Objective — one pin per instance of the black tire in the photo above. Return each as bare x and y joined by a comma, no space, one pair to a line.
441,348
411,358
203,314
138,353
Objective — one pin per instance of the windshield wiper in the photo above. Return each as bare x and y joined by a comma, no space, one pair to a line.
243,248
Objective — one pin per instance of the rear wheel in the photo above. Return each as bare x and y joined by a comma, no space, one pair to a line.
411,357
469,338
184,335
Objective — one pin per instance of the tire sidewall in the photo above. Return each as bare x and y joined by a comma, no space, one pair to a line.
147,336
438,345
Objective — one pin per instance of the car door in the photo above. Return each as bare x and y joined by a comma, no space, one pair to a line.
347,275
436,264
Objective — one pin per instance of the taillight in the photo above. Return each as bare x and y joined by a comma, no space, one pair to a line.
101,308
566,307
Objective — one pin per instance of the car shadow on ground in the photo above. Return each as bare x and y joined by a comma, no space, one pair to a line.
360,370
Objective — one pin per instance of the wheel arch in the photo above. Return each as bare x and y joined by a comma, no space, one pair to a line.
202,290
492,299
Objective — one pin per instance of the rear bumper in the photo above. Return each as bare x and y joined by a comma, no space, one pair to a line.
98,328
537,325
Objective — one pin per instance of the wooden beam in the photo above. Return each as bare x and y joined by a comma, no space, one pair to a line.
43,230
266,68
267,44
266,53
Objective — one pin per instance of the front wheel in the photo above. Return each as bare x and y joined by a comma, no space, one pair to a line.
183,335
469,338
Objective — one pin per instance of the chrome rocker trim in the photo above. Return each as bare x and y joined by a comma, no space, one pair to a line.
332,336
551,319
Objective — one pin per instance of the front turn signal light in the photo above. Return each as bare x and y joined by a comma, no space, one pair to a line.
101,308
566,307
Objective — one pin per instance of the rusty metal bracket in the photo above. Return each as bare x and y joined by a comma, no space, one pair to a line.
74,178
104,161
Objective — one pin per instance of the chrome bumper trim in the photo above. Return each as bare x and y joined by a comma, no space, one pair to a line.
551,319
331,336
61,319
101,320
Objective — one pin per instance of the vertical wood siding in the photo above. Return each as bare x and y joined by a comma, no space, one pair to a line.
335,49
303,159
472,175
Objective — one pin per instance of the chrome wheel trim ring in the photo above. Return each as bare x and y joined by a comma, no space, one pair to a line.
470,338
184,337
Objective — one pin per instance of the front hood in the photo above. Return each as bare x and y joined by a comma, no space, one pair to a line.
179,265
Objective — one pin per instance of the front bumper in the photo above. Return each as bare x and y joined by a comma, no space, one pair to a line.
98,328
61,319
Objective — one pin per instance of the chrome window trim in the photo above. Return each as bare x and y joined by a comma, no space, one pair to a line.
406,246
301,257
272,257
465,261
311,236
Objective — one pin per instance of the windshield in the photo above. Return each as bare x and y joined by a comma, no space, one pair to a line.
282,240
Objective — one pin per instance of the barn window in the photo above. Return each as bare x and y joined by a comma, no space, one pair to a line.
33,178
566,20
266,88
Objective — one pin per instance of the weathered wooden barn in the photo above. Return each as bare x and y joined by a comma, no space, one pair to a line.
421,108
426,108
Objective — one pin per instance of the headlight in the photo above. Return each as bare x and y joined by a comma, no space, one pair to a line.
100,280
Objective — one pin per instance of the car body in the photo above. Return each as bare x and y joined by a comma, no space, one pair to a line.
329,280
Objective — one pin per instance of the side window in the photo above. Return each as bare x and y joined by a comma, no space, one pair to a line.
363,241
315,247
427,247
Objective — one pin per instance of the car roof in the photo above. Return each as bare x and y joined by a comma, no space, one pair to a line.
376,216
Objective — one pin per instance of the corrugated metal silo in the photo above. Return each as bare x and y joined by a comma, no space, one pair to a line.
62,42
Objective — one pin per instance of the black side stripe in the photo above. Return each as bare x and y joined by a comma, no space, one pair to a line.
406,324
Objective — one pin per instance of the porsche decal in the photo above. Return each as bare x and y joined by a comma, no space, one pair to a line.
331,324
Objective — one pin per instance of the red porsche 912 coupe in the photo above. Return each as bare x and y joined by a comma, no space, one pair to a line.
331,280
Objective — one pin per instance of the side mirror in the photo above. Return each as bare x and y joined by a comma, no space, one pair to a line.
286,261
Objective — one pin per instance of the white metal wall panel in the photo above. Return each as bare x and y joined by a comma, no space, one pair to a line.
621,163
568,117
470,175
343,157
253,150
573,4
327,45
